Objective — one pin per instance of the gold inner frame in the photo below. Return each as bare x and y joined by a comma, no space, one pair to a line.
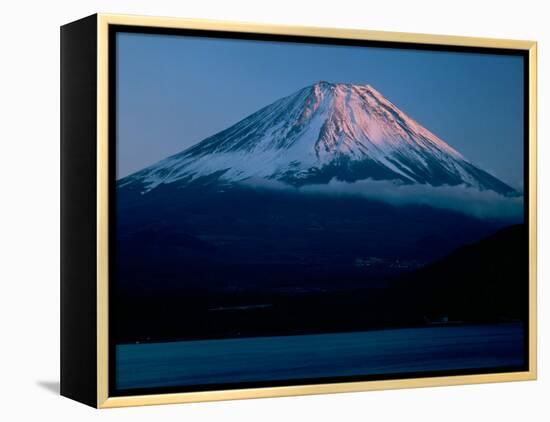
103,399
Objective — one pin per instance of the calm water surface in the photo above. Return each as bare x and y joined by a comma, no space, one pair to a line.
315,356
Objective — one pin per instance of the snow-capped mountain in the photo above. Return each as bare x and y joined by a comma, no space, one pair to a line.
322,132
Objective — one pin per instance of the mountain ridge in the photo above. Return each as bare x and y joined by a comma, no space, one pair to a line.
325,131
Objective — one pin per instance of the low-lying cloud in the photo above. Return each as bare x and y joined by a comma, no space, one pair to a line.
461,198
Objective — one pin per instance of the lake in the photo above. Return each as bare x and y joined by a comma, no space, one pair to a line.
434,348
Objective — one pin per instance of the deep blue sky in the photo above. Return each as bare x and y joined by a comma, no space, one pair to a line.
174,91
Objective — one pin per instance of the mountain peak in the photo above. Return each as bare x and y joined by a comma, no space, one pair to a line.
322,84
343,86
322,132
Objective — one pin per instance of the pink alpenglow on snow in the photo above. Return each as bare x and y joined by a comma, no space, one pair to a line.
324,132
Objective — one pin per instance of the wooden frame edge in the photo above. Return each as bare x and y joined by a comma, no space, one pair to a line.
312,389
533,192
102,211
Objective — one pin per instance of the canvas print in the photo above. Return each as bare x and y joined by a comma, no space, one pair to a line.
289,212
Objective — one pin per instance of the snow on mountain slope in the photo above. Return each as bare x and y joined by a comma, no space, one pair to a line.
322,132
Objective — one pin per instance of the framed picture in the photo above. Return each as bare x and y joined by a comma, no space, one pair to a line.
253,211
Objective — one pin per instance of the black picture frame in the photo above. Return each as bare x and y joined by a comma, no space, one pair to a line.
84,369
